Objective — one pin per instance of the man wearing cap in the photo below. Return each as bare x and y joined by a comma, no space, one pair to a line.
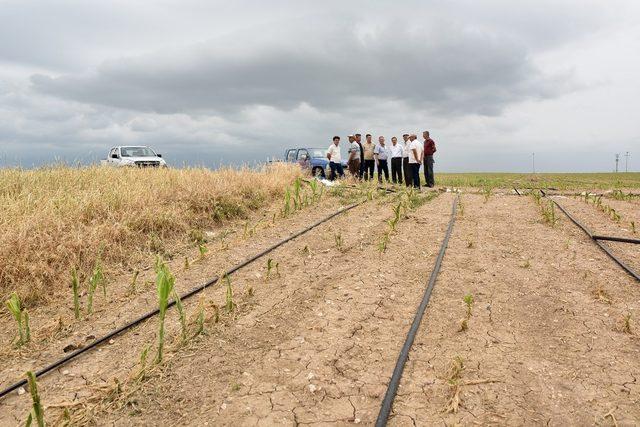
415,158
429,150
353,163
369,161
381,156
406,170
395,152
335,159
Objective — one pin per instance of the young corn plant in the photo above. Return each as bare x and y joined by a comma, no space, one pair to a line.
96,279
633,227
384,241
182,315
468,300
229,304
549,214
76,298
22,319
202,249
487,191
164,285
297,200
270,267
200,319
339,242
37,410
286,209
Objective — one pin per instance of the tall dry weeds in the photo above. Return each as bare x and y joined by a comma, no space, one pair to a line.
54,219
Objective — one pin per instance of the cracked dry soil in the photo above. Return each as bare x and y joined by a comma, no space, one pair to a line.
544,344
317,343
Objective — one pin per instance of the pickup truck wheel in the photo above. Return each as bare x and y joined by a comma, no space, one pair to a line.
318,172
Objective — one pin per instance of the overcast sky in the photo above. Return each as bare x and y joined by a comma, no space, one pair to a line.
210,83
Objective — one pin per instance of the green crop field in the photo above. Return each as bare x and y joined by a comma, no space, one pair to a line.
561,181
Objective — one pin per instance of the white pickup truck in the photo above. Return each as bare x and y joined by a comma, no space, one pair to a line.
140,156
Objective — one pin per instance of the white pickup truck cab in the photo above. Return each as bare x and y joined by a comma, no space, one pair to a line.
140,156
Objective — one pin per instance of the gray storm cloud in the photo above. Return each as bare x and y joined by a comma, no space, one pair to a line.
446,69
494,80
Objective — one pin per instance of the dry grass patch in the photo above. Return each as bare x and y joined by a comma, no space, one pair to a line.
55,219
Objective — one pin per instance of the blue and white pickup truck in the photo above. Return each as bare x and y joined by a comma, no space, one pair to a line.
312,159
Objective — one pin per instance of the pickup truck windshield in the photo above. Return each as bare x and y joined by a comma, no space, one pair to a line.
317,152
137,152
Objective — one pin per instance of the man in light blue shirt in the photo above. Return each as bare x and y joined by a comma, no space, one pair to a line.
381,156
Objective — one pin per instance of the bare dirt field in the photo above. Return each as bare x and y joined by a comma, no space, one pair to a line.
529,323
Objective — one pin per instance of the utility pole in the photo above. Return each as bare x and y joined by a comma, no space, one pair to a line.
533,161
626,162
617,159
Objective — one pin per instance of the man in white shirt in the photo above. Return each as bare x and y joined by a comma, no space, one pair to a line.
396,161
415,159
335,159
406,169
381,156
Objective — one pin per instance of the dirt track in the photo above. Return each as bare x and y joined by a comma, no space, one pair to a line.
317,344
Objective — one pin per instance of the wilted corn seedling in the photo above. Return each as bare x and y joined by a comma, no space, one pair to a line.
269,268
453,378
626,324
229,304
22,319
181,314
633,227
339,243
143,363
37,410
164,286
76,298
468,300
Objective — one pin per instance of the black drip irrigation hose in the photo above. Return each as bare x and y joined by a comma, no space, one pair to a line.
596,240
616,239
185,296
394,383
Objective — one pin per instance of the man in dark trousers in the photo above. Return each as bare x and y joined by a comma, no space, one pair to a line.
359,142
381,156
406,169
429,150
396,161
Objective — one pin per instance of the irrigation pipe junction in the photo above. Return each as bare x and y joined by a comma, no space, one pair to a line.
596,239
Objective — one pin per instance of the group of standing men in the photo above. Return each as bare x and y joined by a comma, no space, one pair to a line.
406,157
